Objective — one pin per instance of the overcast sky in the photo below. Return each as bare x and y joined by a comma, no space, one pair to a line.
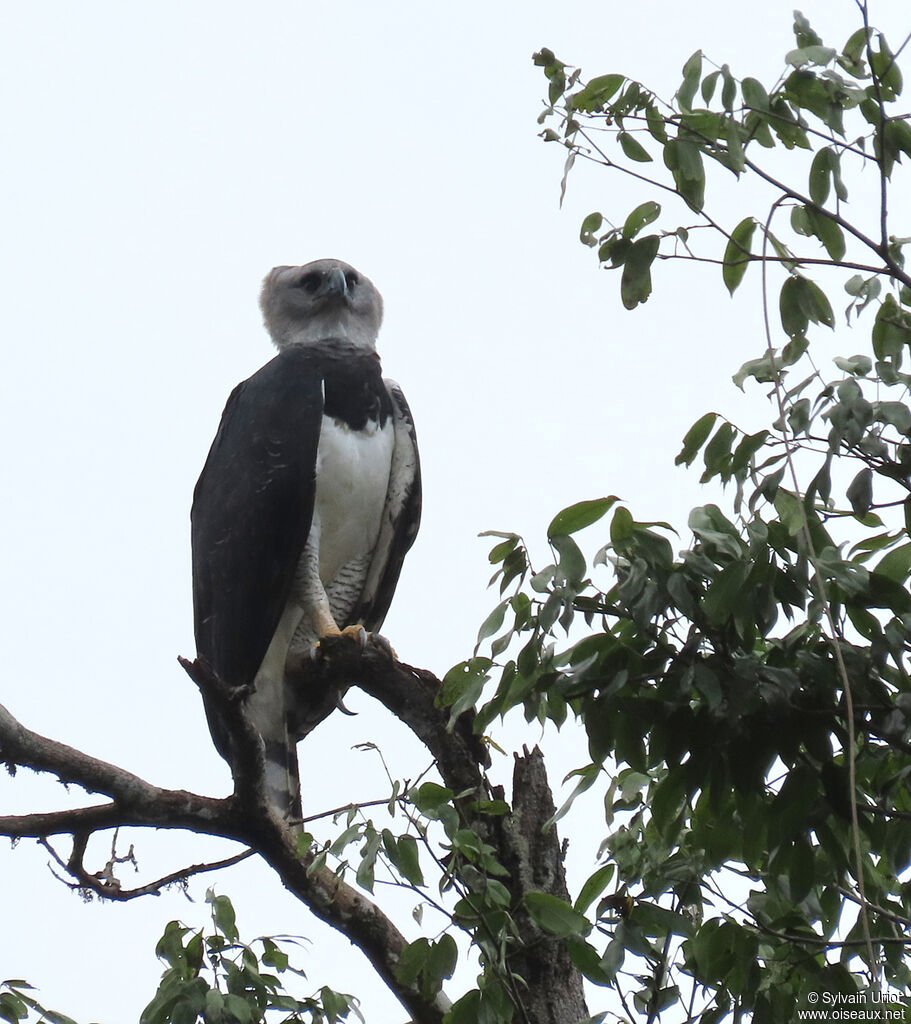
159,160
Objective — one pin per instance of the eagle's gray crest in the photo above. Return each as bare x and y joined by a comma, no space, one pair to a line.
307,504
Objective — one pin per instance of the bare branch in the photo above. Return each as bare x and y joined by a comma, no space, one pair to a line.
410,694
245,816
135,801
103,883
52,823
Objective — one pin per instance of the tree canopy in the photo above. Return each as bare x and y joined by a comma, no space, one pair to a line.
742,685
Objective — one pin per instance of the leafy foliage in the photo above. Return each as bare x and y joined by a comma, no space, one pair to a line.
18,1004
746,700
217,979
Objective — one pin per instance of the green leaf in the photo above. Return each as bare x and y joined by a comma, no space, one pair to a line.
589,226
431,798
891,330
717,452
492,623
239,1008
853,50
365,870
571,565
754,94
747,448
819,95
587,777
896,565
819,176
463,684
819,55
555,915
594,885
733,136
790,508
803,31
820,308
494,807
214,1005
716,531
793,318
659,921
444,955
225,920
896,414
692,71
643,215
828,232
857,366
273,956
615,249
860,492
556,83
499,551
656,124
412,961
636,281
588,960
886,69
695,438
721,598
467,1010
764,370
580,515
633,149
737,253
408,861
350,834
684,160
596,93
622,526
801,301
728,89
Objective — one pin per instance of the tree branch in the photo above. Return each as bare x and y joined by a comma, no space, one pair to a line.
533,856
892,268
105,884
245,817
410,694
135,801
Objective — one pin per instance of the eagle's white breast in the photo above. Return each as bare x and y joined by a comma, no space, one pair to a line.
352,478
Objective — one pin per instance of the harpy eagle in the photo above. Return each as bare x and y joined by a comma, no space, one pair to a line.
307,504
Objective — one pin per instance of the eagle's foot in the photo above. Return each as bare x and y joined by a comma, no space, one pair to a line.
358,633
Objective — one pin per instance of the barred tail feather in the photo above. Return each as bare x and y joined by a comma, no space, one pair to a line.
283,791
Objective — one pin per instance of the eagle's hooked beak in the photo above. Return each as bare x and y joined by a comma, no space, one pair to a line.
336,283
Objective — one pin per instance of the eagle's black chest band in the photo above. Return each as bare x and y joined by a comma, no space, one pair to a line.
355,393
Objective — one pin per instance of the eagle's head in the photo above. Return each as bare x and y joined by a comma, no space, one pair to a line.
322,301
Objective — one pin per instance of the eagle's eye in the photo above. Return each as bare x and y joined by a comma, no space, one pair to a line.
351,279
310,282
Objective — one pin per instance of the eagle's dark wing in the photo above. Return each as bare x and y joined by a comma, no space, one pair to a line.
252,510
401,518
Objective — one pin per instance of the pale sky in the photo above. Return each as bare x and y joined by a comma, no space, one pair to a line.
159,160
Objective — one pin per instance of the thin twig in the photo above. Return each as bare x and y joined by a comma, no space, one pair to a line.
106,887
